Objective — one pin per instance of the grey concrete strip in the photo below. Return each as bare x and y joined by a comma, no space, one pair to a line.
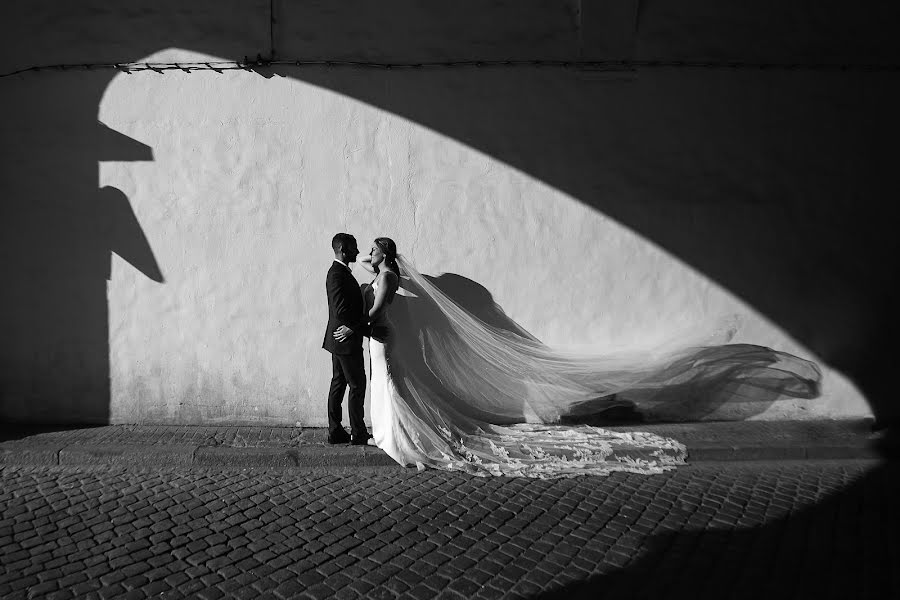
762,433
306,456
214,456
339,456
869,450
127,455
30,454
757,453
348,457
704,453
162,435
286,447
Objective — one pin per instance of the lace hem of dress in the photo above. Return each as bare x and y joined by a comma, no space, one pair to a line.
546,451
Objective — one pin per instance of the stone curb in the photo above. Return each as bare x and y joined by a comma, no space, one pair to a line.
315,456
762,453
125,455
193,456
300,457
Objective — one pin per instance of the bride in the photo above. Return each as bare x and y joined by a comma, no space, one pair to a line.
449,391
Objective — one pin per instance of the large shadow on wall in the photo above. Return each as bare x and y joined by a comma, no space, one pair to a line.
808,242
59,231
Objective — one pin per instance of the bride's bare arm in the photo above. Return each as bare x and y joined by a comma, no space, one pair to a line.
366,263
386,280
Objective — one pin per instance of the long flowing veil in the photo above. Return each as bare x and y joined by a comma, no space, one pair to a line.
454,392
501,377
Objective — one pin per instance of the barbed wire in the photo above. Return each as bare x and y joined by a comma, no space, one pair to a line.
598,65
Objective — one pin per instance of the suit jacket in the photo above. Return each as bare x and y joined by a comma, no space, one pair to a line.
345,307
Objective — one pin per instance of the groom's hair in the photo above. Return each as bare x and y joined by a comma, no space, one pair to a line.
340,241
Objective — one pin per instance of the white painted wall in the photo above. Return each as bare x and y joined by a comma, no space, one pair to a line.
250,179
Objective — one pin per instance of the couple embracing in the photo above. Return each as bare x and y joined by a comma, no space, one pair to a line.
451,392
352,315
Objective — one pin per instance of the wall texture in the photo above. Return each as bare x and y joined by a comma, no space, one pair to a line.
170,232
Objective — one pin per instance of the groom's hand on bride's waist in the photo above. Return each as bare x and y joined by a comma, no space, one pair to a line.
342,333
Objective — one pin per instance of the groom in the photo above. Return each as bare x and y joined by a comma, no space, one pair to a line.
347,324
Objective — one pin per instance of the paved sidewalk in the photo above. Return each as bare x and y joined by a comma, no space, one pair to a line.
292,447
790,530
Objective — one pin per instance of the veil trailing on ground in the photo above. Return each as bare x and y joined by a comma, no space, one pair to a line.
502,377
452,392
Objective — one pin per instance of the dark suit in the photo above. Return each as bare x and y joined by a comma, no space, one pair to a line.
345,307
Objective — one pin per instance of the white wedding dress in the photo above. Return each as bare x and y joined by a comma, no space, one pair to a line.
451,392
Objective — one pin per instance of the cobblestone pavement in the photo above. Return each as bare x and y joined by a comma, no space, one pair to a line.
810,529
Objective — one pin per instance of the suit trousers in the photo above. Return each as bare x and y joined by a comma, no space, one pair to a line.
347,370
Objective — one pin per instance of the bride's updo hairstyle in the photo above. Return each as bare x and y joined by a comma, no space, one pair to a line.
389,248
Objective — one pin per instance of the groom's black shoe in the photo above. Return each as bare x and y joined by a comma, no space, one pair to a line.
360,440
339,437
